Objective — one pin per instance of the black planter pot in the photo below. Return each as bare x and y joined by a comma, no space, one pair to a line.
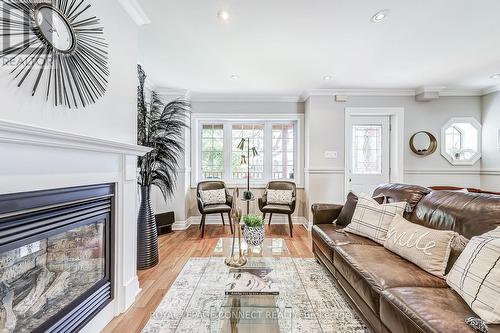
147,234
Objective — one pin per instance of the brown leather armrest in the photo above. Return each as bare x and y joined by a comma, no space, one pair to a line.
325,213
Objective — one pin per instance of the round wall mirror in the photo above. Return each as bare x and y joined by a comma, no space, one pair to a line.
423,143
461,141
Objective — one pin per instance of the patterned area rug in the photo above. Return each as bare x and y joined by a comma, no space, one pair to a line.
314,301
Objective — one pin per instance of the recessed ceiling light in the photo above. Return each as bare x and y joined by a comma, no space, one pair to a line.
223,15
235,77
380,16
495,76
327,77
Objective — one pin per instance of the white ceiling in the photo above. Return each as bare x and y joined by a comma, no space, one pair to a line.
283,47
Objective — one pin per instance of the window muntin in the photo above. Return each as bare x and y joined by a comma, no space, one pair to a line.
212,151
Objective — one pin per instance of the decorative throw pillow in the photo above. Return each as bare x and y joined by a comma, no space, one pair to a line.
427,248
372,220
457,247
347,211
279,197
476,275
213,197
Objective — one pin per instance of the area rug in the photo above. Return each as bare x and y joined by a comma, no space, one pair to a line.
315,303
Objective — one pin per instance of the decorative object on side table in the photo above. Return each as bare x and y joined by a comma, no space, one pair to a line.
245,160
60,45
160,127
236,214
253,232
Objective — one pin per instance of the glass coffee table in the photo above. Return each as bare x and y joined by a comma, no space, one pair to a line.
211,310
272,247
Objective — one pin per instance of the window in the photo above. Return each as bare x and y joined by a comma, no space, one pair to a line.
239,168
283,151
217,155
212,151
367,149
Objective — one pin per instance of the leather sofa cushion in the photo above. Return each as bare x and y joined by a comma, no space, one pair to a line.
372,269
469,214
326,236
412,194
429,310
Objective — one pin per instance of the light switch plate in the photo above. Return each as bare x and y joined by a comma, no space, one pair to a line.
331,155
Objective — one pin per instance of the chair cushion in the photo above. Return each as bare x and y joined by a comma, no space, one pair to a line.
429,310
212,197
372,269
280,197
211,209
278,209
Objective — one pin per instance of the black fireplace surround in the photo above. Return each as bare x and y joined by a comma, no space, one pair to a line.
56,258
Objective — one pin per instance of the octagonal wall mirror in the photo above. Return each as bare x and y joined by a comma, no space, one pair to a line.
423,143
461,141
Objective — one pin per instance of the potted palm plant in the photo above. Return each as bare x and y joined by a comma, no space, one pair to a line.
254,230
160,126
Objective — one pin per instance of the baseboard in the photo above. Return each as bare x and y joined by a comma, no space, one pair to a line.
215,219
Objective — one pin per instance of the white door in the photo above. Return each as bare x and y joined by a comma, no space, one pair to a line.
368,154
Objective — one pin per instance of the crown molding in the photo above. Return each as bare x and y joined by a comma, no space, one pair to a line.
135,11
197,97
267,98
358,92
461,93
490,90
172,92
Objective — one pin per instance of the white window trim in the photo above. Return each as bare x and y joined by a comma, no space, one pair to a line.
197,120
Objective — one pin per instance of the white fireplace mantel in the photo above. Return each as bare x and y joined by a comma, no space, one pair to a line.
34,158
18,133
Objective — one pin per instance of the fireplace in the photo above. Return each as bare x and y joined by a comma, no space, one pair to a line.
56,260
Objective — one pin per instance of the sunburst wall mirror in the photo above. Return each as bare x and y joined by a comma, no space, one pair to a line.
55,47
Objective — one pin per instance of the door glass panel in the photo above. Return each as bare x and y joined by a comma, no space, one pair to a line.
367,149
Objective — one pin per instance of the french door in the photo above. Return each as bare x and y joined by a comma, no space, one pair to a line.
368,153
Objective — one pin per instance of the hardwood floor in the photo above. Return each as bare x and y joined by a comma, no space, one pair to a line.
175,250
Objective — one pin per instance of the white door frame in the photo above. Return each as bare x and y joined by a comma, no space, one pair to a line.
397,144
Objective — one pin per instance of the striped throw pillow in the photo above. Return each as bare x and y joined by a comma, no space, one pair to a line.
476,276
372,220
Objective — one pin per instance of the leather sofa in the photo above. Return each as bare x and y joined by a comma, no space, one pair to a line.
388,292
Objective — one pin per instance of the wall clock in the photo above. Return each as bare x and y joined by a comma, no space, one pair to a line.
55,47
